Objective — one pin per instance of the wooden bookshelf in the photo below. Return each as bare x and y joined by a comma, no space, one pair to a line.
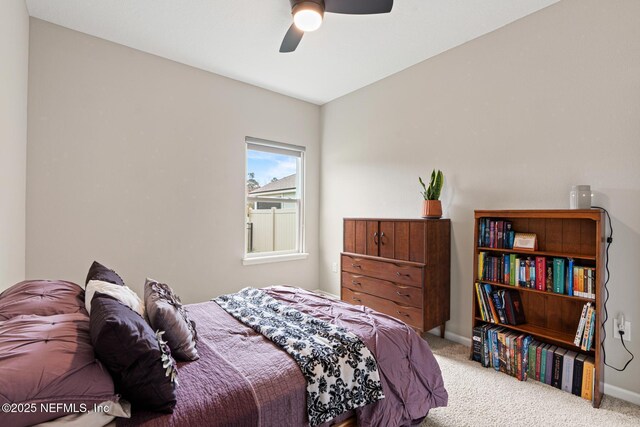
553,317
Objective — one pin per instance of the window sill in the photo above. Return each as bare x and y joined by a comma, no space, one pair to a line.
267,259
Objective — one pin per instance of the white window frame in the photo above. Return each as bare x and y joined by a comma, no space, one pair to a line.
299,252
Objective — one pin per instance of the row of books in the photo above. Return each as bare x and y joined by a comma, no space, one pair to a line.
502,349
558,275
586,327
520,356
500,305
561,368
495,234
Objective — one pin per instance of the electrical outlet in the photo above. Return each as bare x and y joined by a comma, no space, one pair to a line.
334,267
627,330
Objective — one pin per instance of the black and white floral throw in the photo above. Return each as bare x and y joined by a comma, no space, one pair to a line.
341,372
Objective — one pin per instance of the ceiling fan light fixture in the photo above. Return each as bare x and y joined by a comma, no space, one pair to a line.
307,15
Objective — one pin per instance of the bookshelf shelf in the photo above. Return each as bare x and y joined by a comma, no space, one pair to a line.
539,253
551,294
543,334
551,317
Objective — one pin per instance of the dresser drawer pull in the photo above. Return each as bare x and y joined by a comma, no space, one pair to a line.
403,314
356,299
403,274
402,295
356,283
356,266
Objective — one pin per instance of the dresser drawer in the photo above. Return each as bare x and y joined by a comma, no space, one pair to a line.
394,271
407,295
412,316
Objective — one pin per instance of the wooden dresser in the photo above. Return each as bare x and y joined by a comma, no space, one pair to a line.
400,267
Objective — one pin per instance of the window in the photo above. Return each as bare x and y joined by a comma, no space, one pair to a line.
274,202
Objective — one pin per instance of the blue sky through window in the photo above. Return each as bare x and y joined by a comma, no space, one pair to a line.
267,166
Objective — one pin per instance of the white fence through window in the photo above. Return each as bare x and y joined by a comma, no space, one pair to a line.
270,230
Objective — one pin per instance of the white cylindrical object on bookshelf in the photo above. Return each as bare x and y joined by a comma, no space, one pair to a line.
580,197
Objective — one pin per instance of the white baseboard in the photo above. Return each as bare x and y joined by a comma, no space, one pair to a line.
610,390
621,393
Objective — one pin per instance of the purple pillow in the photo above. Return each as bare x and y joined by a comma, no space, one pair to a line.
98,271
166,313
139,360
41,298
49,359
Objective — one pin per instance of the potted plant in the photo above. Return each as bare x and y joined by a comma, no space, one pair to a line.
432,207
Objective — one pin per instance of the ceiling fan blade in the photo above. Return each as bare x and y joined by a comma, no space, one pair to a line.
358,7
291,39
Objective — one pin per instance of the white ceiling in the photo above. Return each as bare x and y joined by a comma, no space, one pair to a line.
240,38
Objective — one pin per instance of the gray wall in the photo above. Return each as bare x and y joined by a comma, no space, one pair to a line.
138,161
14,56
513,119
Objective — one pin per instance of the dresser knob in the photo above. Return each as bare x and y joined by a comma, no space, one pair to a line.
402,295
403,274
403,314
358,266
357,299
356,283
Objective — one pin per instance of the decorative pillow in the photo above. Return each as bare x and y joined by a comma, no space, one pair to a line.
42,298
122,293
98,271
166,313
141,364
49,360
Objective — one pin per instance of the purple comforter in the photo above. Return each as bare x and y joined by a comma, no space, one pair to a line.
243,379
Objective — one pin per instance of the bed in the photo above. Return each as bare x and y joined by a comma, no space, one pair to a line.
243,379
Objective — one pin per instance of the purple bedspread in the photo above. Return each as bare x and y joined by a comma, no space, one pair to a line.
243,379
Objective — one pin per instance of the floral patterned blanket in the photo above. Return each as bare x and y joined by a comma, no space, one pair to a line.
340,371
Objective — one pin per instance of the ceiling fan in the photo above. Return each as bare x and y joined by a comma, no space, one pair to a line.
308,14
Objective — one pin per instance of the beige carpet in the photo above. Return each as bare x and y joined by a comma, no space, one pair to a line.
483,397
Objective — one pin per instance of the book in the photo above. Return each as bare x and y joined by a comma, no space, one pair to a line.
498,303
583,318
485,347
539,360
495,360
531,365
587,378
567,370
558,275
513,307
502,351
578,365
477,343
492,234
524,355
481,232
570,277
509,234
481,309
500,234
558,359
488,290
592,328
548,373
587,327
549,275
541,277
543,362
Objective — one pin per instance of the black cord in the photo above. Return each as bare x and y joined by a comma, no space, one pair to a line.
606,298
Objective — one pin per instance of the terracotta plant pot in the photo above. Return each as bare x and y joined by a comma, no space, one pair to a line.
431,209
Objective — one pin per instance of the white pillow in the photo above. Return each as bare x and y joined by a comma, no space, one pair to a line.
121,293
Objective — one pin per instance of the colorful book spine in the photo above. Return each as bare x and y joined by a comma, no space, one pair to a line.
558,275
578,365
583,319
567,370
570,277
587,379
587,328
